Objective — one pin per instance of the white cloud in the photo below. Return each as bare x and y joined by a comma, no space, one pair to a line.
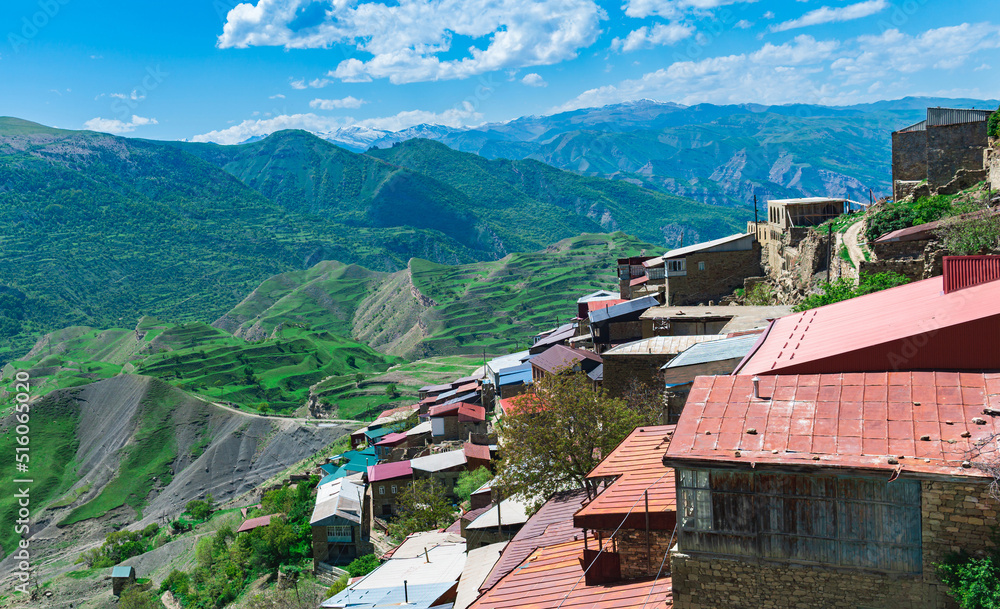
277,96
826,14
332,104
113,125
134,95
405,39
463,115
743,24
647,38
984,66
672,9
298,84
768,15
534,80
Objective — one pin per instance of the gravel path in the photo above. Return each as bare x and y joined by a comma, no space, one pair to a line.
853,247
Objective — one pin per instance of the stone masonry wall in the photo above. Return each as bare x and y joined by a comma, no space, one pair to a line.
635,561
621,370
909,155
724,272
991,161
954,516
954,147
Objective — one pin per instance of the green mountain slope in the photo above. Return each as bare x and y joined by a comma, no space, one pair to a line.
100,230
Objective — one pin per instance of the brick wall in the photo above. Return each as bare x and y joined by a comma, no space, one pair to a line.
954,515
636,562
724,272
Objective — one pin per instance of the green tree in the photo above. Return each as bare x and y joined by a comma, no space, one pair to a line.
362,565
973,582
338,586
358,377
844,289
390,390
470,481
964,236
557,435
133,597
993,126
200,509
423,506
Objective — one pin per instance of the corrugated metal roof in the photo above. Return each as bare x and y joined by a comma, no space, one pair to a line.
714,351
471,413
915,326
396,413
625,308
477,568
598,295
661,345
597,305
853,420
560,357
701,247
476,451
966,271
507,361
340,499
468,397
921,126
391,439
597,374
560,334
424,427
552,577
435,388
515,376
253,523
552,524
742,318
445,410
638,281
389,471
375,434
940,117
439,462
511,511
122,571
805,201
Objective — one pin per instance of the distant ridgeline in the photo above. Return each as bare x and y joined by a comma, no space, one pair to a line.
99,230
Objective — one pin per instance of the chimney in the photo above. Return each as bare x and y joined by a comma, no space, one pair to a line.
756,387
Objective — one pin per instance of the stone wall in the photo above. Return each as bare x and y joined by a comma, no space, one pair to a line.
954,516
909,155
954,147
724,272
621,370
991,161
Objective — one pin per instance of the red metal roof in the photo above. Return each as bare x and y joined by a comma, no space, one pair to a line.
476,513
517,402
551,524
853,420
551,577
638,463
444,410
596,305
471,413
467,387
253,523
560,357
389,471
965,271
476,451
638,280
391,439
911,327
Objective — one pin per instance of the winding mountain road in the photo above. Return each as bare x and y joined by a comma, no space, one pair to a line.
853,247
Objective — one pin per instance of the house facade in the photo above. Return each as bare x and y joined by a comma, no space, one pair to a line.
705,272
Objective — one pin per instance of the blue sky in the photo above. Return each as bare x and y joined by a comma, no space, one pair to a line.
218,70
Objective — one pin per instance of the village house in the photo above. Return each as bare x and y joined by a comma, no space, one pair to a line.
619,323
386,481
345,464
445,467
705,272
559,359
842,488
790,220
496,523
122,576
588,303
695,320
388,443
340,523
557,336
423,572
631,274
935,150
933,324
701,359
255,523
628,366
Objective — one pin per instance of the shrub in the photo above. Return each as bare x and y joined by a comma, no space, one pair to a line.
967,236
338,586
974,582
469,481
888,219
993,126
363,565
843,289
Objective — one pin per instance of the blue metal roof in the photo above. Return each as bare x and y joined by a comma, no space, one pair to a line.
515,375
624,308
464,398
416,596
122,571
337,475
374,434
714,351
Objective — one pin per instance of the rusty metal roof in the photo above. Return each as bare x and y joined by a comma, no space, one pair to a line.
476,451
253,523
638,464
910,327
966,271
560,357
551,577
552,524
471,413
917,422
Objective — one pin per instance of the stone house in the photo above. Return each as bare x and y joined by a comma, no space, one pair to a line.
619,323
445,467
704,272
630,270
948,141
789,221
471,420
386,481
843,489
640,362
122,576
559,358
340,522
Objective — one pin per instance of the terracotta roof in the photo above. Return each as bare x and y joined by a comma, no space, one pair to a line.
552,577
638,463
471,413
915,326
559,357
551,524
476,451
852,420
444,410
253,523
389,471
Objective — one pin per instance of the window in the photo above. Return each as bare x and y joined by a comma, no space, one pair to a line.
675,266
701,265
393,489
863,523
381,489
338,533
